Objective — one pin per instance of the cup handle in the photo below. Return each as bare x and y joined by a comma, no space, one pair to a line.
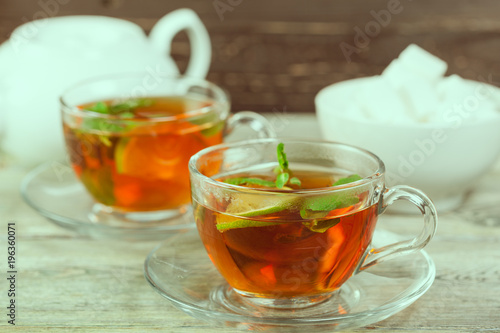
255,121
419,199
168,26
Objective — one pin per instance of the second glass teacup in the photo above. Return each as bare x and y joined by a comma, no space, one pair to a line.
287,222
130,137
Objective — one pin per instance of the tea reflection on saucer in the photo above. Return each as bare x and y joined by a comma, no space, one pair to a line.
54,192
180,270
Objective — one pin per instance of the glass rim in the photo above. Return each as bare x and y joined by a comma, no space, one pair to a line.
221,94
377,174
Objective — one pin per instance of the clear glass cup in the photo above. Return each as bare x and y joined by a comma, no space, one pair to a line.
295,247
129,138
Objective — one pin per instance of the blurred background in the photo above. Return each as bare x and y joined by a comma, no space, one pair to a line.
277,54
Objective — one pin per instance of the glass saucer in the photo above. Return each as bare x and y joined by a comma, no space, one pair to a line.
53,190
180,270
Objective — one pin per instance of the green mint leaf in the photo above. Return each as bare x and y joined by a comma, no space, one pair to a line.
102,125
99,107
295,181
123,110
282,179
249,181
322,225
210,119
330,202
104,128
314,208
347,180
99,184
105,140
238,224
119,108
127,114
213,130
282,172
317,208
130,105
283,162
127,106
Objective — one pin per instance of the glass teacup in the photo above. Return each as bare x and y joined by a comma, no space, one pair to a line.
130,137
286,228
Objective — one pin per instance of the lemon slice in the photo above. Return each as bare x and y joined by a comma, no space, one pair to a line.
238,224
246,205
119,153
253,205
162,156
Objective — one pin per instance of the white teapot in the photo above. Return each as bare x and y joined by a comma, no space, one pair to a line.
43,58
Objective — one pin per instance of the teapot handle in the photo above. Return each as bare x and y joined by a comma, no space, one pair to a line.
167,27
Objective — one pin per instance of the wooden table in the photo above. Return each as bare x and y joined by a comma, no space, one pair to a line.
69,283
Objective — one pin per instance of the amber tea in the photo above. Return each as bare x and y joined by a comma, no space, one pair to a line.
131,159
302,245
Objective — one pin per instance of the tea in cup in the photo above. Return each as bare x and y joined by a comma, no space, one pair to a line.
287,222
130,137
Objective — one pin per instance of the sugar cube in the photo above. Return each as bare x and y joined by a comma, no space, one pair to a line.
378,100
423,63
421,97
